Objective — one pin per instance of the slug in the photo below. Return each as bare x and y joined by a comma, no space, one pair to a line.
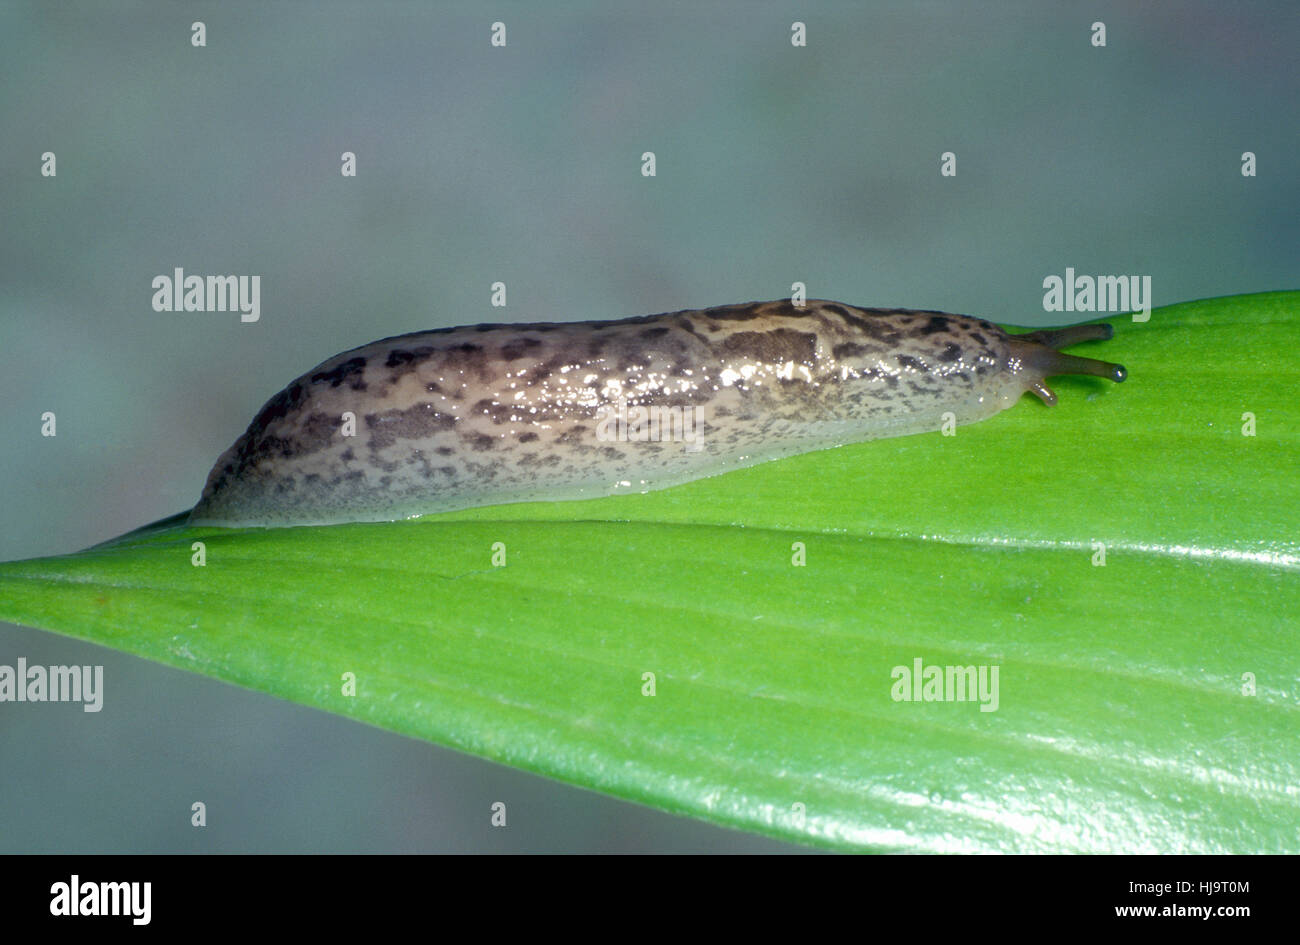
487,414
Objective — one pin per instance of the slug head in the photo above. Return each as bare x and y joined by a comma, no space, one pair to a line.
1036,356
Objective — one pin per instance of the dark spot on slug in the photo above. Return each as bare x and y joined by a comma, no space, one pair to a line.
689,327
279,406
401,356
480,442
951,352
936,324
497,411
336,376
775,347
530,460
552,364
736,313
274,446
514,350
631,362
317,432
875,374
416,422
874,325
469,358
528,437
908,361
847,349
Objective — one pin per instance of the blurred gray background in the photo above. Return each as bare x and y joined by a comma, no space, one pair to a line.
522,164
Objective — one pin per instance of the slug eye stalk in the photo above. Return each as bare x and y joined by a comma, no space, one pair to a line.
1037,354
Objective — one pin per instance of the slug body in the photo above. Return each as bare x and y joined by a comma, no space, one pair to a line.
487,414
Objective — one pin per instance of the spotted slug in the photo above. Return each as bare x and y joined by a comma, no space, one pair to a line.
479,415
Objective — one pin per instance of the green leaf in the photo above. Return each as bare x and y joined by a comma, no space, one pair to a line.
1126,717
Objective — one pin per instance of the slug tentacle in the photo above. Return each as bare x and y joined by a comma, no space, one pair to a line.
1059,338
1036,353
489,414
